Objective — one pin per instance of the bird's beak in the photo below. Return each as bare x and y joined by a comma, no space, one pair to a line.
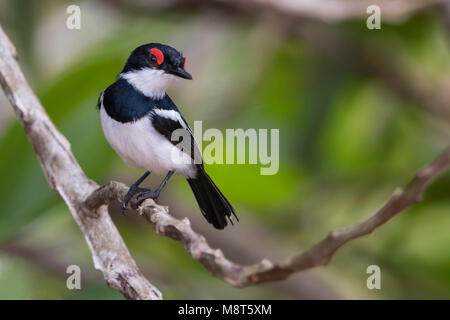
180,72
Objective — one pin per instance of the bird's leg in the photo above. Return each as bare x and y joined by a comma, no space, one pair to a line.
134,188
153,194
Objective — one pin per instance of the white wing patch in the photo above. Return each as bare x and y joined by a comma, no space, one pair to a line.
172,115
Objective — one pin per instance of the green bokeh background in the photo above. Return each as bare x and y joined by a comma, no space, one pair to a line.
348,138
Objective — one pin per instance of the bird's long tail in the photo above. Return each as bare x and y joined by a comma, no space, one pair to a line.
213,204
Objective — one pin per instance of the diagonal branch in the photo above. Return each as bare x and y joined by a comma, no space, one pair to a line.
66,178
240,275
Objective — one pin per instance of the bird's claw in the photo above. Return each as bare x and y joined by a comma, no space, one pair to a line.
146,195
130,194
124,206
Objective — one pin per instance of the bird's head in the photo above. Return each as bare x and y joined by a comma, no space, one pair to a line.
152,67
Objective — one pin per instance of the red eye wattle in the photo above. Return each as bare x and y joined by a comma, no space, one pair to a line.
158,55
184,61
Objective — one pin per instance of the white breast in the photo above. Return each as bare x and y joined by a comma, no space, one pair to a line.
141,146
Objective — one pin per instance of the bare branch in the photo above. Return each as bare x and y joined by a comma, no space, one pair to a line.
323,10
338,10
66,178
240,275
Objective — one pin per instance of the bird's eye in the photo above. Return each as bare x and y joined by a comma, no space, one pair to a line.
184,61
158,55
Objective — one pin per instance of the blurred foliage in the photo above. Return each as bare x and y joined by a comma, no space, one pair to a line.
346,141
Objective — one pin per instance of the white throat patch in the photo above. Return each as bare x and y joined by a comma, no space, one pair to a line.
150,82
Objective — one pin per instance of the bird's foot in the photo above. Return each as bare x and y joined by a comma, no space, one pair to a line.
147,195
130,194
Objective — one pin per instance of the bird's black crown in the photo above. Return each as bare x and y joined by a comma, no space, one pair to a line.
157,56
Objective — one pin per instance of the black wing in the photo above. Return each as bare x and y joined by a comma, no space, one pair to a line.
166,119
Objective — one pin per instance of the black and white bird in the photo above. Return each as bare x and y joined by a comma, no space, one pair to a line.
138,119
